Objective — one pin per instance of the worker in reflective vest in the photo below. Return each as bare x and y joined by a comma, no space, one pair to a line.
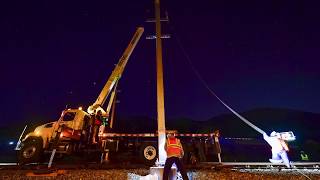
96,125
304,156
279,148
175,153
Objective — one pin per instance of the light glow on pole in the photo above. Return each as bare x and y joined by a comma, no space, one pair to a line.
160,94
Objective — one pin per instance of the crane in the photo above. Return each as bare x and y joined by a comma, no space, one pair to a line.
59,135
111,84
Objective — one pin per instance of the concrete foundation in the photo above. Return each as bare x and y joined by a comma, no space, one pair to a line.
159,172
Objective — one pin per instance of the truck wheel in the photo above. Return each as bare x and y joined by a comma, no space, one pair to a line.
148,153
30,152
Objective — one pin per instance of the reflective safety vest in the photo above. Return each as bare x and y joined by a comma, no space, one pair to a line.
304,157
174,148
97,122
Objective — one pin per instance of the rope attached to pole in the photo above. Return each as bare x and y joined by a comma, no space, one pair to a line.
239,116
214,94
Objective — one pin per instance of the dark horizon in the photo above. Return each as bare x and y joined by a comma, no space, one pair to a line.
252,54
276,113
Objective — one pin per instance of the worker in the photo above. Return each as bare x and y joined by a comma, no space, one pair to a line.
304,156
175,153
105,125
85,135
96,125
91,127
279,148
192,156
216,144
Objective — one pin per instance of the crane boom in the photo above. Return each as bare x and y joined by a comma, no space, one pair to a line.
116,73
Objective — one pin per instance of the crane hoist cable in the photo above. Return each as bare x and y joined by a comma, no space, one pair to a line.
213,93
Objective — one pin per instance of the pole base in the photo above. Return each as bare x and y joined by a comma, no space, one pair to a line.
159,172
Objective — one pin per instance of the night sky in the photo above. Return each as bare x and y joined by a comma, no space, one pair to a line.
252,54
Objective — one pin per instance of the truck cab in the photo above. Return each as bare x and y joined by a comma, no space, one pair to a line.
71,128
74,123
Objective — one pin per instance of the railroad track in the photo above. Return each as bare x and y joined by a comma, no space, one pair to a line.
264,164
202,165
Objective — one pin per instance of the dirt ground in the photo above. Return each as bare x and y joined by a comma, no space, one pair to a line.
135,174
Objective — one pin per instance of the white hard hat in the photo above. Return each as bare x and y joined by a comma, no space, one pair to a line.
273,133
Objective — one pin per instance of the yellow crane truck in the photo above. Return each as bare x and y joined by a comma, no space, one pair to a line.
71,133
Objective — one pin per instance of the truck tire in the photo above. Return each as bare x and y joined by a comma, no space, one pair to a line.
30,152
148,153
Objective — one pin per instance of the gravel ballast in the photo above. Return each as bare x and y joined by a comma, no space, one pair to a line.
122,174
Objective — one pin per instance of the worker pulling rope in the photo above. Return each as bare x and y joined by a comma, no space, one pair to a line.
228,107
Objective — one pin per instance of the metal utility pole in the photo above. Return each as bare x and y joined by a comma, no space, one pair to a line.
160,93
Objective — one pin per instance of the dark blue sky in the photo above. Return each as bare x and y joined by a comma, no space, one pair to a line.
251,53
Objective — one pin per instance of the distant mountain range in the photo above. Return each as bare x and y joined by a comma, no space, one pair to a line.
303,124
